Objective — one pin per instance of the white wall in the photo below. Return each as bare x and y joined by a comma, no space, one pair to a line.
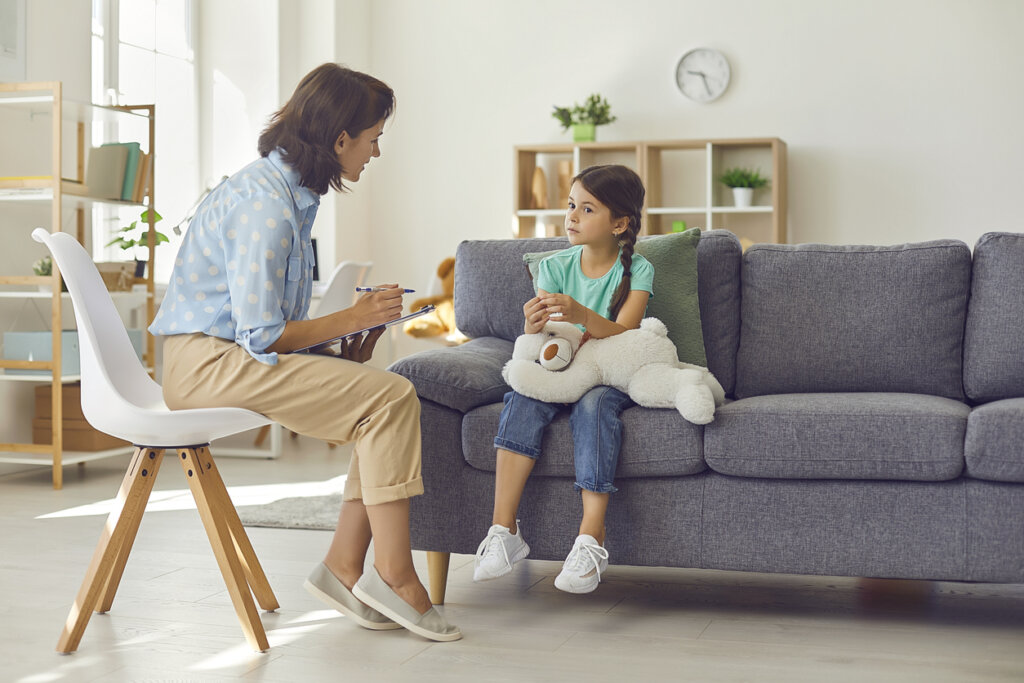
237,82
902,117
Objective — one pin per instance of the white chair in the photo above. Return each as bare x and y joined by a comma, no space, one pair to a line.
340,293
121,399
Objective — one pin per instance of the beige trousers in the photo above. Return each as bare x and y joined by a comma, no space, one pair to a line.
328,398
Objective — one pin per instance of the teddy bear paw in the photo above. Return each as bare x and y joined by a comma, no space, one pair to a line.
696,404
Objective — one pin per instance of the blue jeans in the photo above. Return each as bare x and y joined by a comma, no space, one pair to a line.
596,432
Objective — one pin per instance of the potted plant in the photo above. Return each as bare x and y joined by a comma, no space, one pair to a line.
743,182
44,267
134,236
585,118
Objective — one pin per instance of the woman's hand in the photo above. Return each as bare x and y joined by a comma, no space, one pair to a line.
535,315
360,347
570,310
377,308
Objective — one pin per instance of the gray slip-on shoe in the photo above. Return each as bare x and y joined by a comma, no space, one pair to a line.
372,590
324,585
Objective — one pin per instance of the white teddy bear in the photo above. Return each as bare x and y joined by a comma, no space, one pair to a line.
641,362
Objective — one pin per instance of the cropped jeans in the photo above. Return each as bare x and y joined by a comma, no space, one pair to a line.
596,432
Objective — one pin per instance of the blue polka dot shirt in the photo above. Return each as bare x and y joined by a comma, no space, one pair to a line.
245,266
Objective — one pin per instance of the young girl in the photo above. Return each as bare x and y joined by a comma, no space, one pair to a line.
601,286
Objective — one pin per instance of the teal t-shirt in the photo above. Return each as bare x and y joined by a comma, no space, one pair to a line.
561,274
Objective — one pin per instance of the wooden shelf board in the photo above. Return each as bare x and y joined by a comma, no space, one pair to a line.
44,456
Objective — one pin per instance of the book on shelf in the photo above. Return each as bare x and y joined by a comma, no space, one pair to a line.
104,173
141,188
118,170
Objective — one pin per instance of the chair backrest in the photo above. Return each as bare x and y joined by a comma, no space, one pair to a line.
341,288
112,374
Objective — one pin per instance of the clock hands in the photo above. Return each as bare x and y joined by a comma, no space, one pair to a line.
703,78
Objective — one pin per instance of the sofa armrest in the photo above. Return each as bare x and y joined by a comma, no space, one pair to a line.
459,377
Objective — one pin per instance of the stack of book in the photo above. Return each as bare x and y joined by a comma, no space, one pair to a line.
118,170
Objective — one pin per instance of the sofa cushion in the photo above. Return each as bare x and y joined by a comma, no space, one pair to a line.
492,284
719,256
675,300
460,377
655,443
994,339
819,318
839,436
994,447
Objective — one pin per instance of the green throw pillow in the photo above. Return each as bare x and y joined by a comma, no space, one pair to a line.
675,302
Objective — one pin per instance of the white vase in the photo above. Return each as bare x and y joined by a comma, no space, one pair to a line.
742,196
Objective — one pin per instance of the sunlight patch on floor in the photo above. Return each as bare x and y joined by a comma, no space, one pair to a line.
181,499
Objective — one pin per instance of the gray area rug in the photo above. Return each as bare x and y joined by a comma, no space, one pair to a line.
305,512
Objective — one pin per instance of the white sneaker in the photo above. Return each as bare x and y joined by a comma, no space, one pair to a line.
582,569
498,552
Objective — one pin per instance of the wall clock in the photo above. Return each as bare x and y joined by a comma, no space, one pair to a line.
702,74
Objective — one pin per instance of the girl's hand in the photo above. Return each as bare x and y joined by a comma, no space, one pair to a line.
377,308
535,315
571,310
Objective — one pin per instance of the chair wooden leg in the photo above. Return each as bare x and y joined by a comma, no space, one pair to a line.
111,553
151,458
254,575
261,436
437,572
214,506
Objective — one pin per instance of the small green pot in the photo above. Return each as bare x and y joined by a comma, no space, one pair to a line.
584,132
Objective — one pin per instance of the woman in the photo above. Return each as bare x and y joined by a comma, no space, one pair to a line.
237,306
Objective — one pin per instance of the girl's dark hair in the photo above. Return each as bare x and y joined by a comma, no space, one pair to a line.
330,99
621,190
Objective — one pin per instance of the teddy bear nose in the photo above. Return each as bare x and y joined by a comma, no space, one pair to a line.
550,351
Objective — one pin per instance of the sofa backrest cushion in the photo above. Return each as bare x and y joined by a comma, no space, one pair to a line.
994,339
821,318
675,301
492,284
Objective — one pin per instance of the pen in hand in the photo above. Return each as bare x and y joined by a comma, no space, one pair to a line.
381,289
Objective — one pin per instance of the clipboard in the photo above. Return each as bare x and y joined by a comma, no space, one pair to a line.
415,314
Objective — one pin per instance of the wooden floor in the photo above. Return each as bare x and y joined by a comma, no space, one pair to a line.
172,619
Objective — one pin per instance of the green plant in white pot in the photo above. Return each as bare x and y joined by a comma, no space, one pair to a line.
585,118
135,237
743,182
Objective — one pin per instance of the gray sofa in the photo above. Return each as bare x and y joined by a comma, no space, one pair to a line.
874,425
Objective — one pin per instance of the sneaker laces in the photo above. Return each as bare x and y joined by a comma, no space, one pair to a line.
577,560
486,547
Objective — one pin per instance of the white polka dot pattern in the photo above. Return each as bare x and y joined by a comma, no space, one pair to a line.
246,263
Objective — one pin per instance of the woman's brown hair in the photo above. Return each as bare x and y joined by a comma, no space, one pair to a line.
329,100
621,190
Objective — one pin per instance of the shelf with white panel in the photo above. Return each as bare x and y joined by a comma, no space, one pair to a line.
680,177
44,147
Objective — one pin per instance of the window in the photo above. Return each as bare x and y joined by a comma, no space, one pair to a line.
142,53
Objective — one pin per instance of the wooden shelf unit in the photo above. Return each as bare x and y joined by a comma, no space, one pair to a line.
29,104
681,181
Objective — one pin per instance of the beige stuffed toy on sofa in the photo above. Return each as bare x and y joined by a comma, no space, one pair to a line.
553,366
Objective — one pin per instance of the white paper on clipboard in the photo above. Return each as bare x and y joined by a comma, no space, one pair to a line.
397,321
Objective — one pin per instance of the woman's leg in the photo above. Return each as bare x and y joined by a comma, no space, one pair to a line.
335,400
346,555
392,554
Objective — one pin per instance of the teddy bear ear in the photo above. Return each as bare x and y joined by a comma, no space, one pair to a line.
446,266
